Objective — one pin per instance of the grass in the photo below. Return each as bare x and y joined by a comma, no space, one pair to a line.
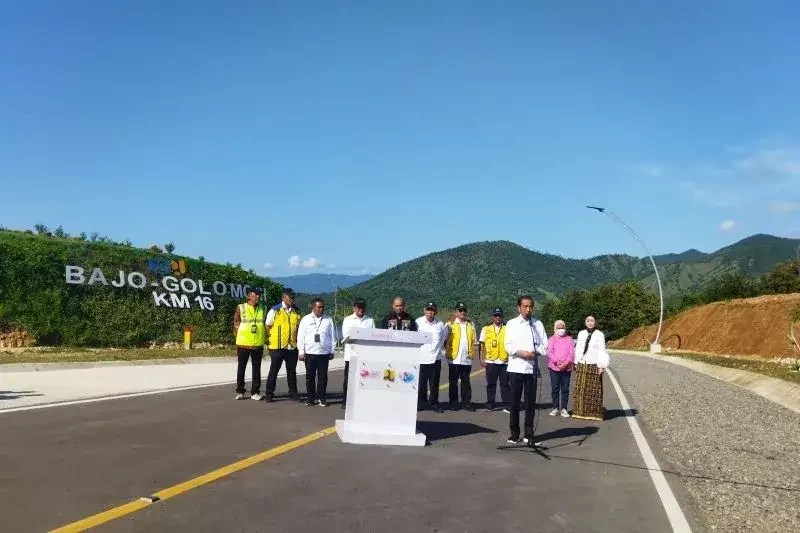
84,355
786,372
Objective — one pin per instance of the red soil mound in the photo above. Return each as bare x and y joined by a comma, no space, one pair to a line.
753,326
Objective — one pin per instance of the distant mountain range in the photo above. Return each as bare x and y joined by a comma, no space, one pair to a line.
485,274
320,283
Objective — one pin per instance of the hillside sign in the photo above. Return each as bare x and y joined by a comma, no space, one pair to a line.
178,289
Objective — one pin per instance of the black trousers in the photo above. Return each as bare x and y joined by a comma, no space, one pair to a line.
243,354
456,373
520,382
559,388
316,376
429,376
495,373
346,379
276,359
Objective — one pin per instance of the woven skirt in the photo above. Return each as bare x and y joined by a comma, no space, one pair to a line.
588,398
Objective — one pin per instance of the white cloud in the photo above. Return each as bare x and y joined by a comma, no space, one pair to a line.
704,195
268,266
647,169
784,207
727,225
776,162
312,262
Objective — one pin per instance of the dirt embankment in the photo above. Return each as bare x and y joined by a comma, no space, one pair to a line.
753,326
16,338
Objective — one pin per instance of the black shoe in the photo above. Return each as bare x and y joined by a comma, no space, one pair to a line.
311,403
438,408
269,397
294,397
469,407
490,407
455,407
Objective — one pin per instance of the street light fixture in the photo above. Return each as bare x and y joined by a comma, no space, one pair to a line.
655,347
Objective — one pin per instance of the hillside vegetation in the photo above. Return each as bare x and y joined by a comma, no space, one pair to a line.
35,295
486,274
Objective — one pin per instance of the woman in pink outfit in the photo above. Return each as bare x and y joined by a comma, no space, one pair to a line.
560,357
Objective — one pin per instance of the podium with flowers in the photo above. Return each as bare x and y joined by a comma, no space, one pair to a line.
382,389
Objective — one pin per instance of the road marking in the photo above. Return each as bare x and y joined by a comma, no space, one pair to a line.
674,512
186,486
128,395
175,490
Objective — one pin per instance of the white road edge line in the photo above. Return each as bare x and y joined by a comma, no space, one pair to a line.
674,512
127,395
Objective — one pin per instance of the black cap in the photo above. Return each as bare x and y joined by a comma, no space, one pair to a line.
431,305
359,302
256,290
460,306
498,311
288,292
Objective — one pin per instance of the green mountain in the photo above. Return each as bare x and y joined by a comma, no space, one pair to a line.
486,274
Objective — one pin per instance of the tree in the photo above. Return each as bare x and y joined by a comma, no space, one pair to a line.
82,236
94,236
169,247
784,278
60,232
729,287
41,229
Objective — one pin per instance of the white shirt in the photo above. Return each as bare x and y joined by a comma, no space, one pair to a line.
596,354
522,335
434,350
271,320
310,326
463,357
497,361
352,322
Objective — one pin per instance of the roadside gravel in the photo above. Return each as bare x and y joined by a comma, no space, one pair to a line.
737,454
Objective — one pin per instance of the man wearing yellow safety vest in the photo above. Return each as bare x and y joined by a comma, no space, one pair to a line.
250,331
494,359
460,352
282,323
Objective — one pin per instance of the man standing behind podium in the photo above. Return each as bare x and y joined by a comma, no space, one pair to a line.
315,339
359,319
525,341
430,367
398,318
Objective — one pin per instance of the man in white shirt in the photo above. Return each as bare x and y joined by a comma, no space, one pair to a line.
316,337
493,357
431,355
359,319
460,352
525,341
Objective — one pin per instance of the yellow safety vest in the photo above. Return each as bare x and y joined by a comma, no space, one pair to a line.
283,331
454,340
494,345
249,316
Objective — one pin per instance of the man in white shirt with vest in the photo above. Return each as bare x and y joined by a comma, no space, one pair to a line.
316,337
460,351
431,355
493,357
525,341
359,319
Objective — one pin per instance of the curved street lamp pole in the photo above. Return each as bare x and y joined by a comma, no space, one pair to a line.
655,347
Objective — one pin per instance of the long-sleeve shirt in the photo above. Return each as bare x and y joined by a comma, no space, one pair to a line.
560,350
528,336
309,327
434,350
596,353
352,322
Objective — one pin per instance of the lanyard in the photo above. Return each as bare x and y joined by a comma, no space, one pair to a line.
318,324
255,313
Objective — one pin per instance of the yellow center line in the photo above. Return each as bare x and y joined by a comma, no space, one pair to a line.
186,486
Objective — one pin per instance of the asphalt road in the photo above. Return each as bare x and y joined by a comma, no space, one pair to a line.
66,463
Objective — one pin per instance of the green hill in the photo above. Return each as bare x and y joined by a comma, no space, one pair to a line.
485,274
65,290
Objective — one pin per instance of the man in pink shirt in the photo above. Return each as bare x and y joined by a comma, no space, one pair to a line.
560,357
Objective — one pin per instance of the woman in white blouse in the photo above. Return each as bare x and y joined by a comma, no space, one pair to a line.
591,360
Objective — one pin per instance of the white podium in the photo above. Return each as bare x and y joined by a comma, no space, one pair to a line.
382,388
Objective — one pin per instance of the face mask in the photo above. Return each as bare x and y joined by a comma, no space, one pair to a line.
561,332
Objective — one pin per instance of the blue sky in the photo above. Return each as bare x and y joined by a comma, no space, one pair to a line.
363,134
